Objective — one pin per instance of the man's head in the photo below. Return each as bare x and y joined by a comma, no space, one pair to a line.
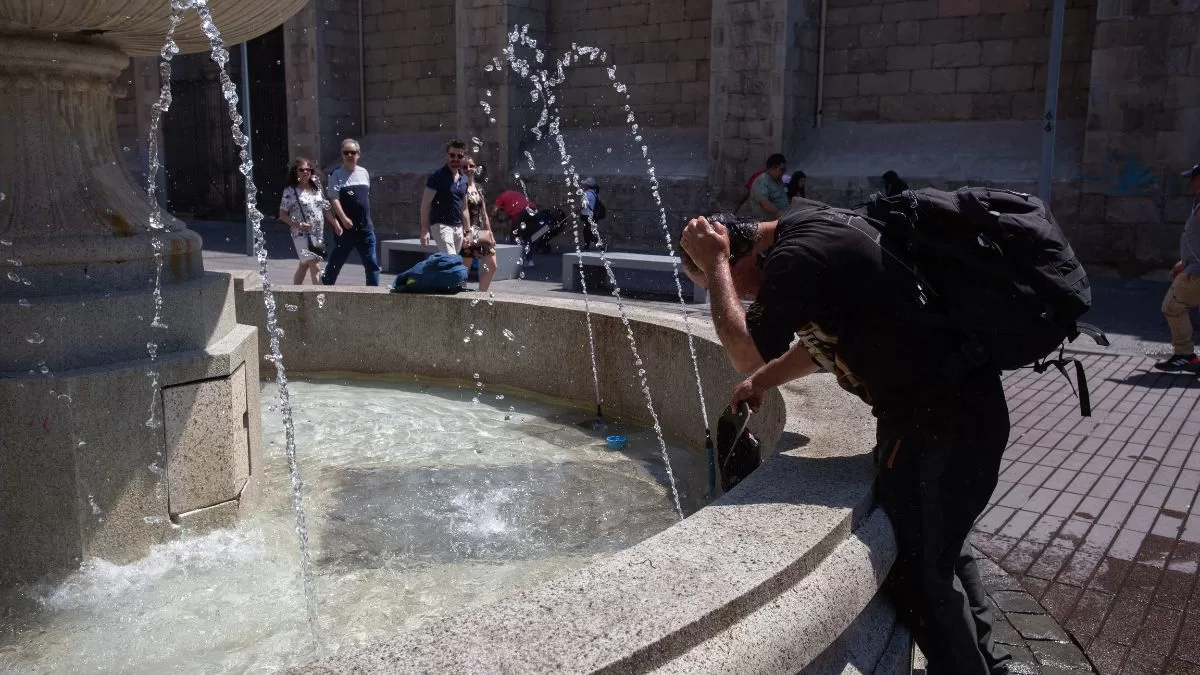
744,239
589,183
456,152
350,153
1193,176
776,166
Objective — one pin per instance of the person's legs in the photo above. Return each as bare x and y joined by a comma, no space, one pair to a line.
487,270
1182,296
342,245
981,437
448,239
366,251
314,271
298,277
934,480
589,235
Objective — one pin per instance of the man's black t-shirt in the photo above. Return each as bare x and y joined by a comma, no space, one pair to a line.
829,283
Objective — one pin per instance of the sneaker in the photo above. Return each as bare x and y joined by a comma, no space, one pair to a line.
1180,362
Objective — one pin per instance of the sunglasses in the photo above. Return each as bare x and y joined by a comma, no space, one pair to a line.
349,153
304,169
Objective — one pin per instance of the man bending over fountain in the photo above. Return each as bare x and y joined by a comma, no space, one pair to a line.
821,277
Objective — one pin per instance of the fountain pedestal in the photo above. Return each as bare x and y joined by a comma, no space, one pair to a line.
116,434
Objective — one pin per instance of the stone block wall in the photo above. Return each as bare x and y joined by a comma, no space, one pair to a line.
661,52
950,60
1143,129
322,70
801,67
410,65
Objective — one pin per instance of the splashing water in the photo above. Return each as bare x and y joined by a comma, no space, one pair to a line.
320,301
153,422
545,82
631,120
220,56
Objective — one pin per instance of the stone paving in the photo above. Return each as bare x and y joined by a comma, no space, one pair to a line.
1097,517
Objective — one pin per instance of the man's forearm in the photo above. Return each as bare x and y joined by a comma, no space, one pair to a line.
337,207
794,364
729,320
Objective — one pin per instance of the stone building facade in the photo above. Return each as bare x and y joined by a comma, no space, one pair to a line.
946,92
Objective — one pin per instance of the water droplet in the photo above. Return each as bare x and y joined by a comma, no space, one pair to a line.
291,308
95,507
14,277
43,368
499,397
475,302
466,339
512,408
608,150
488,68
507,417
508,335
35,339
153,520
24,303
478,333
320,300
4,242
475,376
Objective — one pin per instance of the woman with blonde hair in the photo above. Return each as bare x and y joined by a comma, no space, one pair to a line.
304,208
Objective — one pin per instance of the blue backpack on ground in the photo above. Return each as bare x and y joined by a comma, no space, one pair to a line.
439,273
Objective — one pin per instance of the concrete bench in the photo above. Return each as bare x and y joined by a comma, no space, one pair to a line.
571,262
397,255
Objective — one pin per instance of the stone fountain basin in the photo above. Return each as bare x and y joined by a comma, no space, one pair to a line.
780,574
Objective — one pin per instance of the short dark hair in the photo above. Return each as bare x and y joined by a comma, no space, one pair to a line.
455,143
775,160
743,235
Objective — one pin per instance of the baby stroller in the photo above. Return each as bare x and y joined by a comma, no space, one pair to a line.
545,225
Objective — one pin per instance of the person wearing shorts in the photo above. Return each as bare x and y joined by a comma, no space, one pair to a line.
444,218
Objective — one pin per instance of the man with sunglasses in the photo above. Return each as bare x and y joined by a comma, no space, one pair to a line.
444,204
821,278
349,195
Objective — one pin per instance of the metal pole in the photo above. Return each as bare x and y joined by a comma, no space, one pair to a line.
362,76
1051,119
246,128
819,115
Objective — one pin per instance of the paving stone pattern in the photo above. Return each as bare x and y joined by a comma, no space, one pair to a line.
1097,517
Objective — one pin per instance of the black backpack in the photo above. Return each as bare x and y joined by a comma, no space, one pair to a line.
599,212
997,265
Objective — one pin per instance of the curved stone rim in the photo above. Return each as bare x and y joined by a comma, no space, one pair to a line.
745,568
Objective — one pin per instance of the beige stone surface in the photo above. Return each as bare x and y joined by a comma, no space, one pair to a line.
798,523
85,475
208,453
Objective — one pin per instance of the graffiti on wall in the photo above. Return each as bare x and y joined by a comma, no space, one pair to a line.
1125,176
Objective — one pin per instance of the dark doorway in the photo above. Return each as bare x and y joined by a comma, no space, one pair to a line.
201,161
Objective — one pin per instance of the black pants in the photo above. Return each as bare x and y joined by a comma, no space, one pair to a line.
936,474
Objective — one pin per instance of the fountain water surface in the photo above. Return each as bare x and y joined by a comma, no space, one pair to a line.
422,505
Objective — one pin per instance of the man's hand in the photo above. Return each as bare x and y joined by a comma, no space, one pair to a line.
751,392
707,244
347,224
337,229
425,238
1177,270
